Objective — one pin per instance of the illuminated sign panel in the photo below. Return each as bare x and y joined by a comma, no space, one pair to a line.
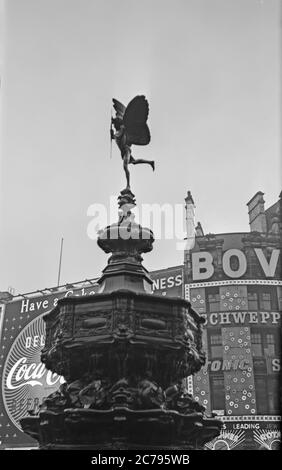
242,318
203,267
168,282
24,379
242,323
225,364
239,435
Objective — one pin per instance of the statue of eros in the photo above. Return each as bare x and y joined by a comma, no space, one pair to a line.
130,125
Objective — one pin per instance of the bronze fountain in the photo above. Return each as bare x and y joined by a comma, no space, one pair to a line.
123,352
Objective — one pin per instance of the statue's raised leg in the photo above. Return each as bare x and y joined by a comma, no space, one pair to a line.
137,161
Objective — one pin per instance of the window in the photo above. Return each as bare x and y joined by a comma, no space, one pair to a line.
267,394
265,301
216,344
266,343
261,394
213,299
272,342
273,395
262,298
279,300
269,347
217,392
216,339
273,297
253,300
256,344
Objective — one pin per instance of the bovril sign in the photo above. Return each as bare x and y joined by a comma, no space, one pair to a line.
203,263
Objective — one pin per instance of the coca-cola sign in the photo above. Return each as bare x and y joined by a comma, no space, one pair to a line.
26,381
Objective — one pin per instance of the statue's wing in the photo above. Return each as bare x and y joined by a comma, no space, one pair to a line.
119,108
138,135
134,119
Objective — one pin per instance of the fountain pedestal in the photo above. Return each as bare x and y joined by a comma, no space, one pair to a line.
124,354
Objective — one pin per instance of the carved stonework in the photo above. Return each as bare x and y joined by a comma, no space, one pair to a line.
129,356
124,354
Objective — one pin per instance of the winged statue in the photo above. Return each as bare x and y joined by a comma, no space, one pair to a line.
130,128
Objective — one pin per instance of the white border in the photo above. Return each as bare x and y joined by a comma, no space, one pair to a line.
235,281
266,282
273,418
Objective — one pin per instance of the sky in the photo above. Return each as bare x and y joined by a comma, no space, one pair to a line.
210,70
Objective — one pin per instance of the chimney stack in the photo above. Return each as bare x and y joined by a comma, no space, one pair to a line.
199,230
257,218
190,221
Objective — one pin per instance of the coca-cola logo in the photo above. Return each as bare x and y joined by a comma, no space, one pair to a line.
26,381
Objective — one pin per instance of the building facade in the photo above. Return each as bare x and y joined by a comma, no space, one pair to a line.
234,280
